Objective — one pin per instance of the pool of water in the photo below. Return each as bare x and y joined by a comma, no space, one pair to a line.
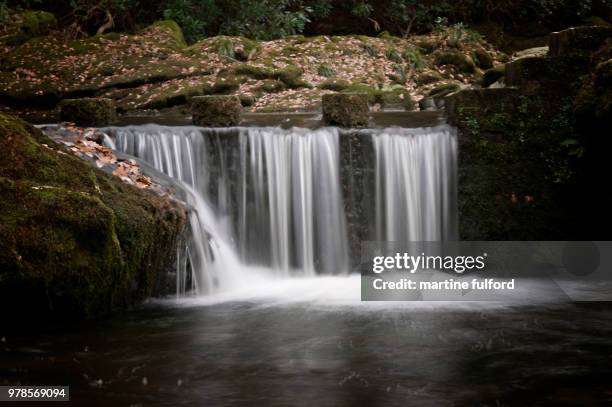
313,343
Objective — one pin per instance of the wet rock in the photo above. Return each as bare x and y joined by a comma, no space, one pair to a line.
88,111
216,111
493,75
428,104
346,109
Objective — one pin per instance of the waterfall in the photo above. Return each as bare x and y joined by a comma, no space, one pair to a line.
276,205
416,184
270,200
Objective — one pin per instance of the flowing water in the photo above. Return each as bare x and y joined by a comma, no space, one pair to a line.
269,201
280,323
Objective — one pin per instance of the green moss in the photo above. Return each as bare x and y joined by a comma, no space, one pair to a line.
271,86
426,78
427,46
334,84
226,84
77,243
326,71
455,58
396,96
393,55
255,72
373,94
172,29
27,25
347,110
481,58
216,111
515,164
414,58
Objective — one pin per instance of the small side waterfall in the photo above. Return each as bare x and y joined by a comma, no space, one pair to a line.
415,184
271,201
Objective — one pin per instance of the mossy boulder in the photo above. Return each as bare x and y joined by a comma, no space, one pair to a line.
579,41
75,242
481,58
425,78
455,58
271,86
290,75
28,24
397,96
88,111
216,111
170,31
226,84
346,109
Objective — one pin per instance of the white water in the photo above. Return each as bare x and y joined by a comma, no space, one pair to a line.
415,184
268,202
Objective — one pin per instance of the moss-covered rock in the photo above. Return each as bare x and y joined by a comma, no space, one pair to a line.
481,58
425,78
346,109
75,242
456,59
27,25
246,100
216,111
226,84
397,96
579,41
334,84
271,86
88,111
170,30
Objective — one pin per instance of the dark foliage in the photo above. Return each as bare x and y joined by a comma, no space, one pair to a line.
268,19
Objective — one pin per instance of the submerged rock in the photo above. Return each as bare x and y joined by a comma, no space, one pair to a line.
75,242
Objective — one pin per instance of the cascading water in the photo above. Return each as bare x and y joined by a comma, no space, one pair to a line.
281,208
270,201
415,184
